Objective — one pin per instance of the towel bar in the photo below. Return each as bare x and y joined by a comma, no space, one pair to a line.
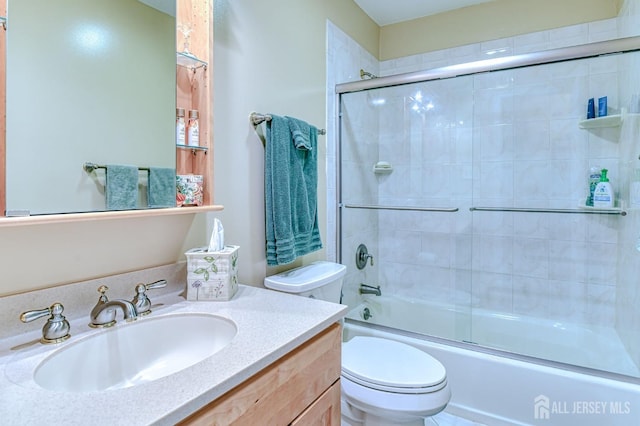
257,118
90,167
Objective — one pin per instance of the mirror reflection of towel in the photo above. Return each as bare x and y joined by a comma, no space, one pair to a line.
121,189
161,189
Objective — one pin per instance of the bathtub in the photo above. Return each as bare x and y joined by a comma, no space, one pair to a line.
499,388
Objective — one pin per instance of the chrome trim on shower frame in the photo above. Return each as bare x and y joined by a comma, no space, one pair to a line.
583,51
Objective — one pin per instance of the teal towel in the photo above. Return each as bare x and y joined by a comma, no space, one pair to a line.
121,190
161,188
291,180
300,132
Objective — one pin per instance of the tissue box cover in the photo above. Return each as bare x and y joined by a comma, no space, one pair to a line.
190,190
212,275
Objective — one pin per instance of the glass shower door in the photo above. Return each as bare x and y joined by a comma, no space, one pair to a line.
405,193
547,281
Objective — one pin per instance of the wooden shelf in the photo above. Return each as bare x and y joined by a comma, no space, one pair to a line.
106,215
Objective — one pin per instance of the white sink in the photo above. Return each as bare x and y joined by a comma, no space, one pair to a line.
135,353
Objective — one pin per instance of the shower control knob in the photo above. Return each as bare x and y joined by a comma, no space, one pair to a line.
362,255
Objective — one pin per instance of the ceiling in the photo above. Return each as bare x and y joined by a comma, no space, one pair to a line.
385,12
165,6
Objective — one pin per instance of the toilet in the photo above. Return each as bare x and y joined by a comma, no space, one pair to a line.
383,382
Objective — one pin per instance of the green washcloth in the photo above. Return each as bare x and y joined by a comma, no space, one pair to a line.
291,180
121,190
161,188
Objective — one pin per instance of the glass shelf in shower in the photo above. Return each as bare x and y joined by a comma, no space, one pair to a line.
189,61
193,148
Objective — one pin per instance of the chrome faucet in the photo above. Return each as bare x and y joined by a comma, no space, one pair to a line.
104,313
368,289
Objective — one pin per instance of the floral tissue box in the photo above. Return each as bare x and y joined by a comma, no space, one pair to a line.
212,275
189,190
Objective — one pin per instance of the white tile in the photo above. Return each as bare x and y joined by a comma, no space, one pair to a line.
568,261
493,254
531,257
492,291
578,33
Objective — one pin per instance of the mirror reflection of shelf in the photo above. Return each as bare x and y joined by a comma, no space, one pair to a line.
189,61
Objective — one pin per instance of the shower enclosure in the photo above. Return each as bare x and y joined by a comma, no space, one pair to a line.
468,185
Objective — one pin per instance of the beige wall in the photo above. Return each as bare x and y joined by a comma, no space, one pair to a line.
269,57
41,256
488,21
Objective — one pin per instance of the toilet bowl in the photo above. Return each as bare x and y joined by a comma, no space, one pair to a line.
383,382
391,382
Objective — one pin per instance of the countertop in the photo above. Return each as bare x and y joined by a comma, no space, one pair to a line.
270,324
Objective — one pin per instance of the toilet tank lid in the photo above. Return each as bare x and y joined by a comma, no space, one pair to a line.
306,278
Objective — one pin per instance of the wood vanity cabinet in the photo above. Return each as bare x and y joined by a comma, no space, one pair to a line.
301,388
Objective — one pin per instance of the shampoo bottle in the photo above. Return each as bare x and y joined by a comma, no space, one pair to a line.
193,134
180,127
594,178
603,194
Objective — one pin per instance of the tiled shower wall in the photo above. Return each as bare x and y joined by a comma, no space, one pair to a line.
345,58
524,150
628,286
503,139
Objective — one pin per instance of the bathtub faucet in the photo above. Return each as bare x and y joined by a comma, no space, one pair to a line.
367,289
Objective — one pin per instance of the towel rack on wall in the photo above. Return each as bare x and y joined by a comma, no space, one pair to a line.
90,167
257,118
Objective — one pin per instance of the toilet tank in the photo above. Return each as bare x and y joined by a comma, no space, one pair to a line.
319,280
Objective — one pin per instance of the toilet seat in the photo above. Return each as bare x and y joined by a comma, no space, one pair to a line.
390,366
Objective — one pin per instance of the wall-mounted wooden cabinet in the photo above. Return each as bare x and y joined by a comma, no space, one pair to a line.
193,83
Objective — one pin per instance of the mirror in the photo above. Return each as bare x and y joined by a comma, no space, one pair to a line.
87,81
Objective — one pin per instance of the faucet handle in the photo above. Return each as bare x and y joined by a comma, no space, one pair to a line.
56,329
141,300
103,293
155,284
108,317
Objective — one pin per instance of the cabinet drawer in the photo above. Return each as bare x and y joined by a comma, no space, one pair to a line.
282,391
325,411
